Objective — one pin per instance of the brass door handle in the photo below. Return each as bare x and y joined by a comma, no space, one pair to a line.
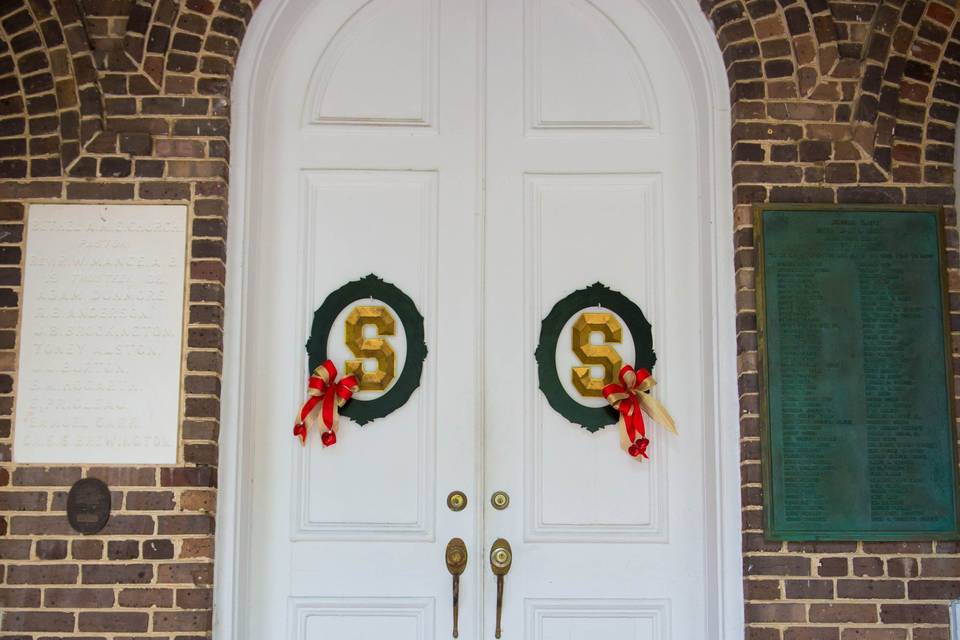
456,558
501,557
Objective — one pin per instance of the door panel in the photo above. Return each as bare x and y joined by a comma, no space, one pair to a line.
589,167
373,169
362,619
391,471
569,472
379,70
587,619
581,72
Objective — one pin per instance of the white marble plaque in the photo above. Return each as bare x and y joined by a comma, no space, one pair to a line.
101,335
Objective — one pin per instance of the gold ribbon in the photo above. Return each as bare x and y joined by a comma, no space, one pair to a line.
629,398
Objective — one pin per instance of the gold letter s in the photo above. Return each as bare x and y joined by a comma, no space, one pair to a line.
609,326
371,348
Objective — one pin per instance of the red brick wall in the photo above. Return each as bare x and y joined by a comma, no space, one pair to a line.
126,100
140,116
837,102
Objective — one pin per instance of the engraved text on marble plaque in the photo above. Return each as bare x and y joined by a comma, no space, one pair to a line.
99,369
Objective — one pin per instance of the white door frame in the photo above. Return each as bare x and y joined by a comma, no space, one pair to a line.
696,42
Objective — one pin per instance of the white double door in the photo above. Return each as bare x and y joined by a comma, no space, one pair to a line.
488,158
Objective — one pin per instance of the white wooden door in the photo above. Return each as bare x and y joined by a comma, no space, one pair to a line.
372,167
488,157
591,167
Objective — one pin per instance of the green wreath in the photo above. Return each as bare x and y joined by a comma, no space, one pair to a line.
372,286
590,418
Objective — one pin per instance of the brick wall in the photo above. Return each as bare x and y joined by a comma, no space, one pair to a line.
847,102
117,101
126,100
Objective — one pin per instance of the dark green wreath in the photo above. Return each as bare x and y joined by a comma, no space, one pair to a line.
590,418
371,286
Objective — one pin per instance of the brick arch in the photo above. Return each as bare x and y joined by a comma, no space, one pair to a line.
943,100
51,79
923,62
853,20
814,34
893,70
13,122
148,37
774,49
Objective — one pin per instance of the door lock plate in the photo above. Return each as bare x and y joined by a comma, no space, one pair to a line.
457,501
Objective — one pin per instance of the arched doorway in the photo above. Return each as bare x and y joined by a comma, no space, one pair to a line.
489,158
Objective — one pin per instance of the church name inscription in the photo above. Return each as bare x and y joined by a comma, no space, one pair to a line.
858,433
100,353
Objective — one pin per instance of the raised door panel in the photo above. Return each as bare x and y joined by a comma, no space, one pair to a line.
574,227
362,618
581,71
379,69
386,467
588,619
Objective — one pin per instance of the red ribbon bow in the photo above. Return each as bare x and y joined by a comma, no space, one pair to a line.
324,389
624,397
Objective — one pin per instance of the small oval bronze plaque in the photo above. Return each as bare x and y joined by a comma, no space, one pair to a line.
88,505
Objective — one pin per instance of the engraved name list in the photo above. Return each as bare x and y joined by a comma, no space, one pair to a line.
859,424
102,324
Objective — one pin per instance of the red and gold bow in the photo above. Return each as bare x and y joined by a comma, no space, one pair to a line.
632,398
324,390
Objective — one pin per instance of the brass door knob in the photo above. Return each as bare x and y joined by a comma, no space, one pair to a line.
500,500
501,558
456,558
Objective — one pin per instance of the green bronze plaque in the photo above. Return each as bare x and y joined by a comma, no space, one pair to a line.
856,393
